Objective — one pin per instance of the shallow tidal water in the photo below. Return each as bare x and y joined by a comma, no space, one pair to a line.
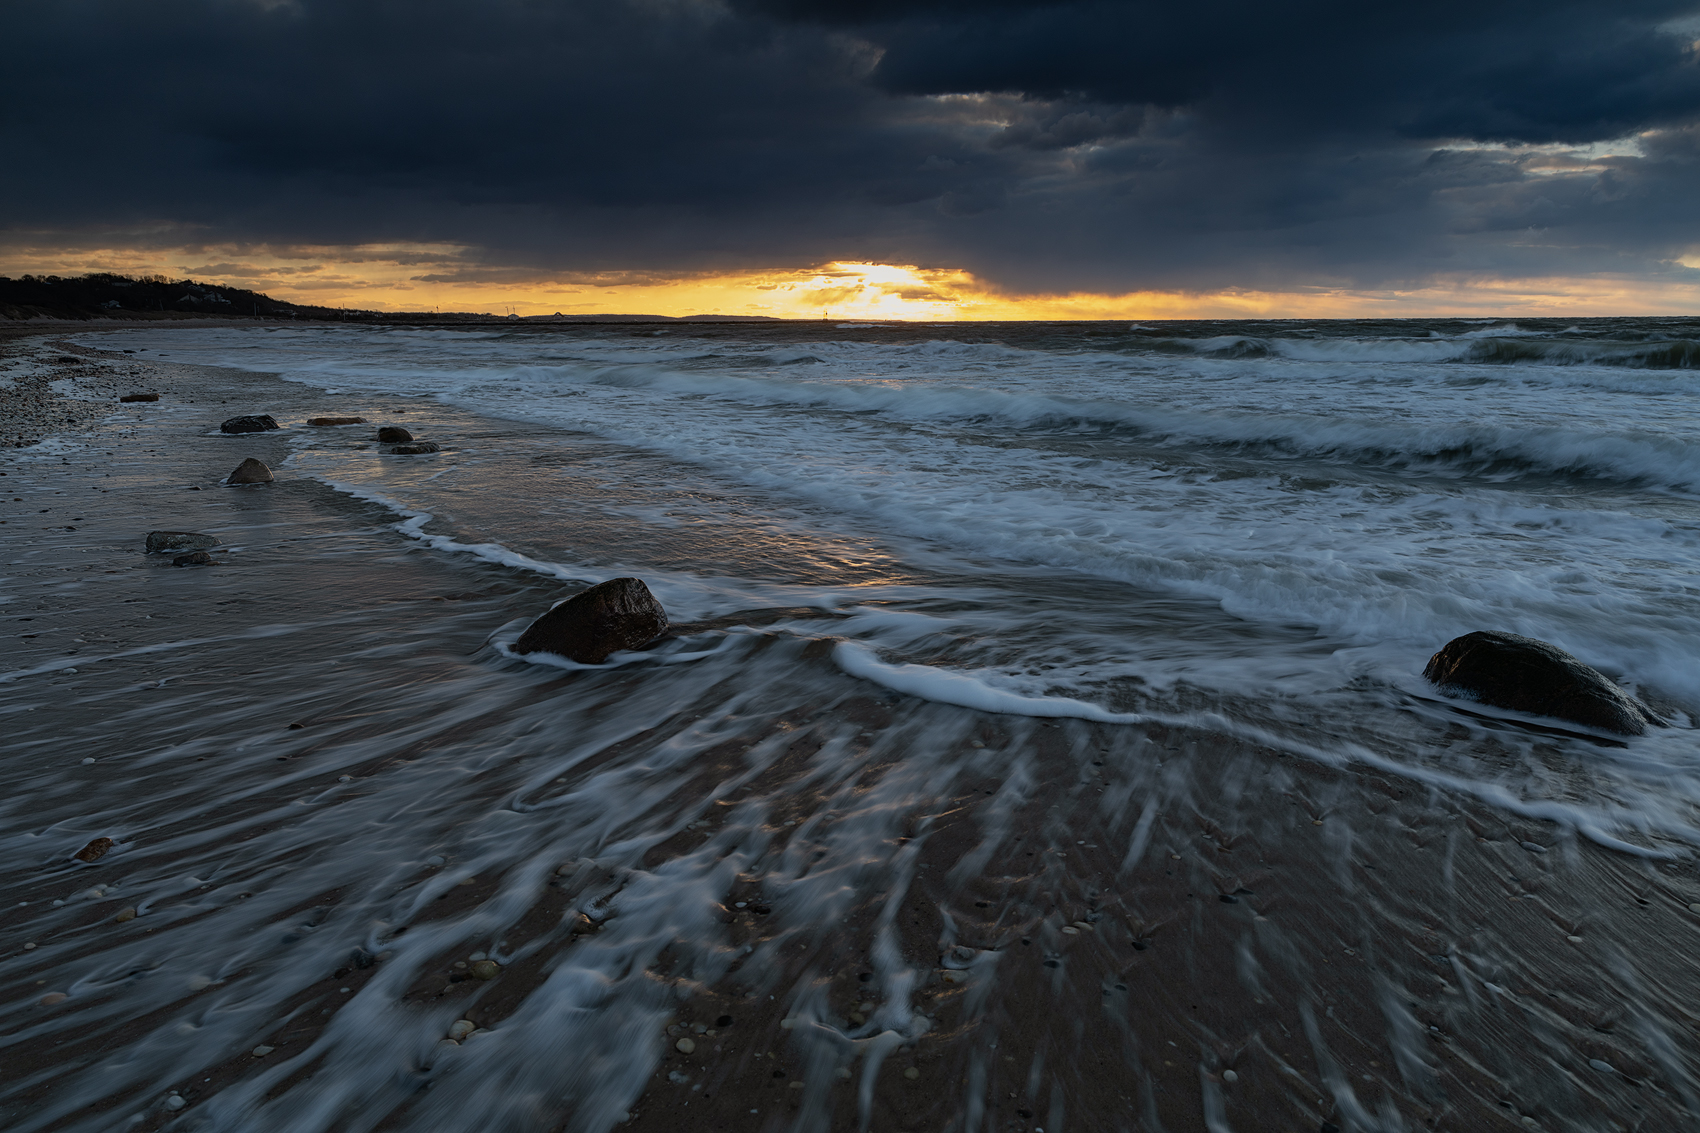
1076,764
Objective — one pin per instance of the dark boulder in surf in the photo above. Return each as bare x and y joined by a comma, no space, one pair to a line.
415,448
1525,675
250,471
394,435
618,614
249,423
162,542
129,397
193,558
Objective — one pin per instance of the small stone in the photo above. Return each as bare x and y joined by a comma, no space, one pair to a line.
478,956
1316,822
139,397
618,614
28,945
460,1028
912,1074
194,558
1602,1066
53,997
324,422
88,760
393,435
486,969
262,1050
1230,1077
1694,908
1083,926
858,1018
164,542
796,1085
250,471
94,851
787,1024
1574,939
123,916
417,448
685,1046
955,977
1534,847
175,1101
249,423
843,1073
1070,930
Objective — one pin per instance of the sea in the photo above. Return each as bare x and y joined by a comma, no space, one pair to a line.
1257,530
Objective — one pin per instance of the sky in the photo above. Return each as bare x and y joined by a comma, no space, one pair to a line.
930,159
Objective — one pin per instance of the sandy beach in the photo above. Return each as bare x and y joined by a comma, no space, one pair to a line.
331,798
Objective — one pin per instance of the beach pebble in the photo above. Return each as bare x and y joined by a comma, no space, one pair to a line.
322,422
1523,674
1574,939
130,397
618,614
685,1046
1694,908
29,945
1230,1077
1534,847
94,851
175,1101
1083,926
486,969
87,760
435,859
787,1024
478,956
796,1085
393,435
1602,1066
262,1050
53,997
249,423
193,558
955,977
124,915
162,542
250,471
912,1074
843,1073
1070,930
858,1018
460,1028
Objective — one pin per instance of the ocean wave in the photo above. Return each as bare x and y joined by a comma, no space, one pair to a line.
1495,346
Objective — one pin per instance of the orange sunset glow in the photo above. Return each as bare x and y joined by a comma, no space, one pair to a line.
422,277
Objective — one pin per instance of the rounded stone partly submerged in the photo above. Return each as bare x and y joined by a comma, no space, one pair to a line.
610,616
1507,670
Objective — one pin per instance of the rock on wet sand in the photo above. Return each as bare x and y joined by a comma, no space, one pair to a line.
249,423
193,558
250,471
393,435
618,614
164,542
415,449
1523,674
323,422
139,397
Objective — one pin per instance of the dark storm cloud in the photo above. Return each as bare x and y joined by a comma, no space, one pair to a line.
1046,145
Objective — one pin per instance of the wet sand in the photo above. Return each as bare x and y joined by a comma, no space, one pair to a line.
320,776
